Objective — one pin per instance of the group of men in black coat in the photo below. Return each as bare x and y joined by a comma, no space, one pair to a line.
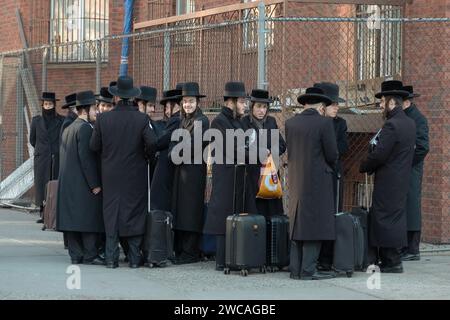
106,186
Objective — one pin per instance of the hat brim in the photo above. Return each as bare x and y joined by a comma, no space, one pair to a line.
193,95
68,105
305,98
236,95
174,98
261,100
48,99
399,93
413,95
132,93
103,99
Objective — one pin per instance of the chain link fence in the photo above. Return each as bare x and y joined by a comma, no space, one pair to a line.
266,47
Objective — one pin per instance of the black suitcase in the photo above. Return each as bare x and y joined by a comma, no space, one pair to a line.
349,243
277,242
158,240
245,238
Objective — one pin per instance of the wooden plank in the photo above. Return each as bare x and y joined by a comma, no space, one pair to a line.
202,14
385,2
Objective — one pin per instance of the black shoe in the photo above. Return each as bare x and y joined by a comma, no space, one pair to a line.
324,267
77,261
112,265
394,269
294,276
133,265
40,220
317,276
96,261
220,267
411,257
185,259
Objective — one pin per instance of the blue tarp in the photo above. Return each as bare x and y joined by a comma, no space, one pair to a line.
127,25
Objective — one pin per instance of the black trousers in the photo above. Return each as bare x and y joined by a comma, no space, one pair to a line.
112,251
220,250
387,257
82,245
187,243
326,254
413,242
304,257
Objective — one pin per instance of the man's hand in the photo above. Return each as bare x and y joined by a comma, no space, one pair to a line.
96,190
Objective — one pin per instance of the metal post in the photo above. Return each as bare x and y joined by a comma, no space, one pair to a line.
261,46
1,116
44,69
19,115
166,61
98,66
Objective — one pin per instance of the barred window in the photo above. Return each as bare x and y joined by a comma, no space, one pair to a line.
74,21
250,28
379,43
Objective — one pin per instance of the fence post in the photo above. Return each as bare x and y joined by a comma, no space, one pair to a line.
98,66
44,69
166,61
261,46
19,114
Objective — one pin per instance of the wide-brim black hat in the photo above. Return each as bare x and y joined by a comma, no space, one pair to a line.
392,88
70,101
85,98
331,90
235,90
314,95
104,95
124,88
191,89
147,94
171,95
48,96
259,95
410,89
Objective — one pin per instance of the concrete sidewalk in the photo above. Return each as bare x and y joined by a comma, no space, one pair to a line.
33,265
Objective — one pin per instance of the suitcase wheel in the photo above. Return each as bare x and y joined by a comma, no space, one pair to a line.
226,270
349,274
244,272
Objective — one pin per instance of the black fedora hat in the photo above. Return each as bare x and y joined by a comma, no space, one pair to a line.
124,88
234,90
104,95
191,89
48,96
259,95
147,94
113,83
70,101
331,90
85,98
392,88
410,90
171,95
179,86
314,95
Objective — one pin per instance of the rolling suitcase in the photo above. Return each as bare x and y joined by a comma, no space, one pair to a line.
277,242
349,243
51,194
157,248
245,239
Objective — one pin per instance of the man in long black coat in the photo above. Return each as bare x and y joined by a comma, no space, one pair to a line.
79,205
312,156
414,200
331,90
45,139
391,161
221,202
123,136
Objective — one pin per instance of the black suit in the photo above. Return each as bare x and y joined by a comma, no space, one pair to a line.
391,161
312,156
45,138
123,137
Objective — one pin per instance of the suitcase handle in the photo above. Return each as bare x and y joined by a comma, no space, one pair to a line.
338,182
234,187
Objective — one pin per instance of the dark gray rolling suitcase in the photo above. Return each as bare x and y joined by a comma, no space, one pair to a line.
245,239
277,242
349,243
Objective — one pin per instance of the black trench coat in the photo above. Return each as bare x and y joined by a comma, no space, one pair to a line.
312,156
162,179
266,207
391,162
414,199
123,136
189,188
78,209
45,142
220,205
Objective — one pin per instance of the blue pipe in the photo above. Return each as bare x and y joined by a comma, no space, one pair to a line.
127,25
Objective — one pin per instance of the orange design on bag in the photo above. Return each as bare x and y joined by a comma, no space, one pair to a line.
269,183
